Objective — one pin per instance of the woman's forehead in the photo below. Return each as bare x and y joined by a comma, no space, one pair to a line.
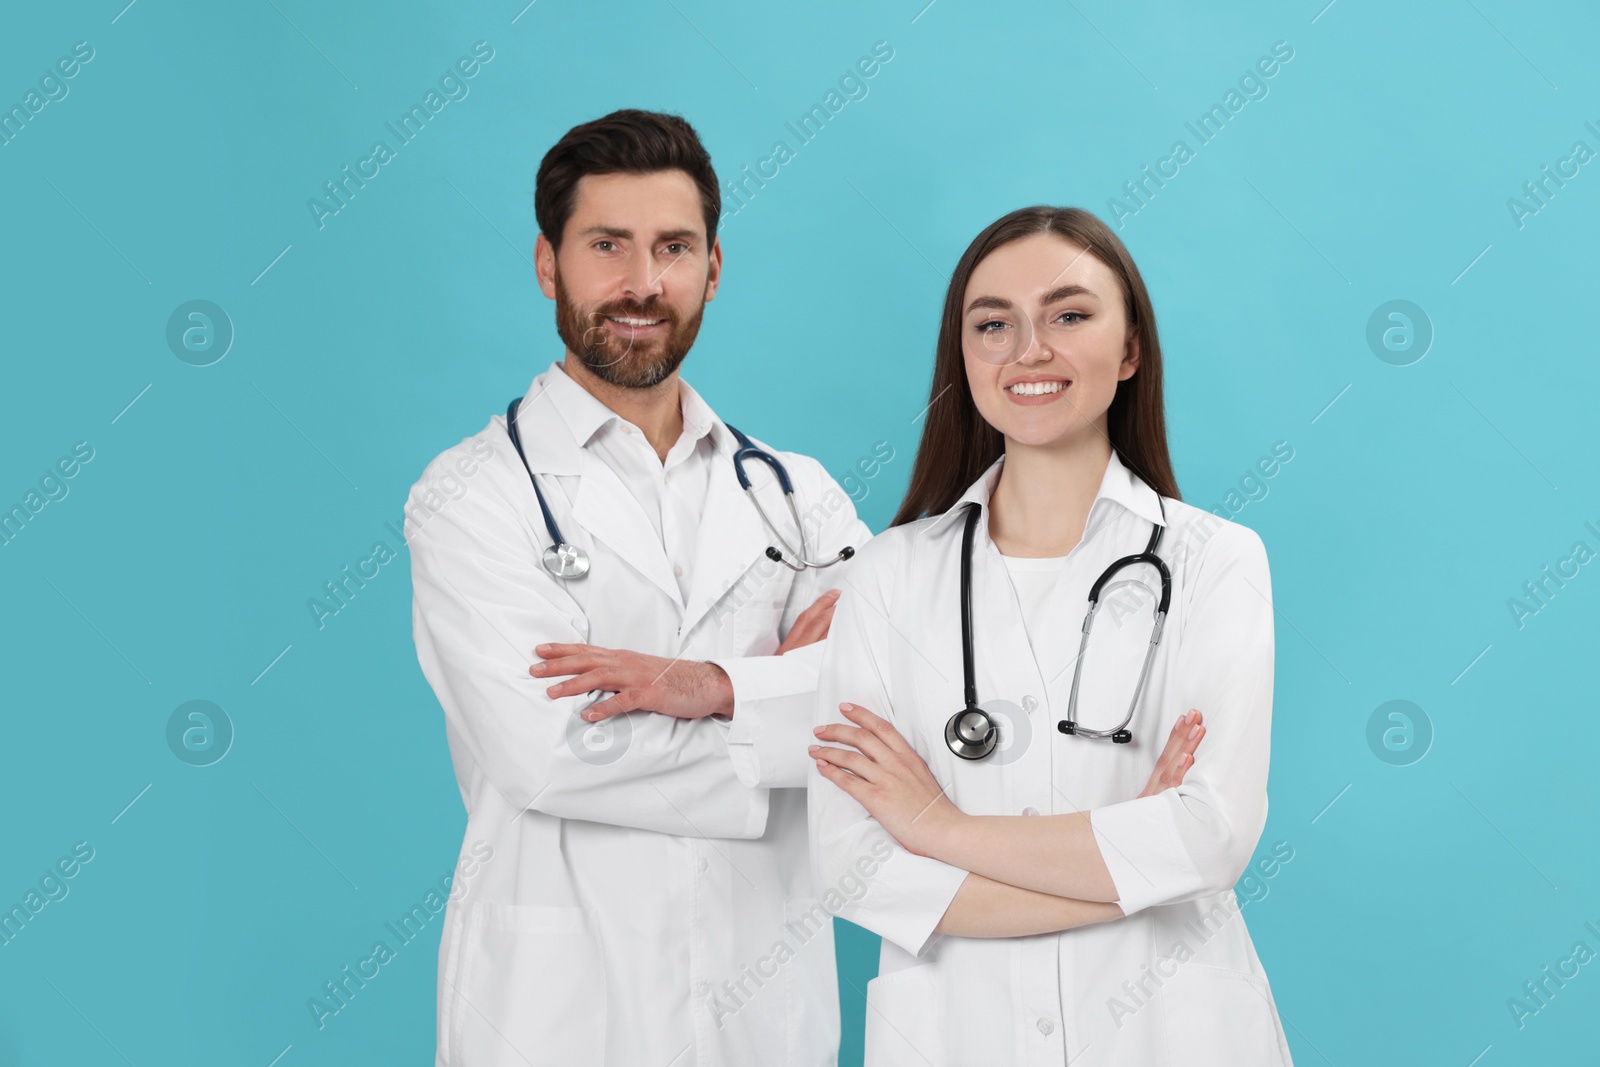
1035,266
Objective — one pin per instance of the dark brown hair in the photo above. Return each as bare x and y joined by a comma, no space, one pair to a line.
627,141
958,445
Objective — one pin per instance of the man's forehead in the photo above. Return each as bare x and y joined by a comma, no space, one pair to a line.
654,205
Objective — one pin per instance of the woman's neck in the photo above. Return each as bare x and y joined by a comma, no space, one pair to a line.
1042,502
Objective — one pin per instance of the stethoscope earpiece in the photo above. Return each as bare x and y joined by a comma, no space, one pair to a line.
797,559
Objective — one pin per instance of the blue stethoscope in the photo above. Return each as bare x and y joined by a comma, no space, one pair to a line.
971,732
568,562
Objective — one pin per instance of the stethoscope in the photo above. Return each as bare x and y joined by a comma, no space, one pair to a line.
568,562
971,732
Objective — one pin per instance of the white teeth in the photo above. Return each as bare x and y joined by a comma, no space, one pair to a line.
1035,388
635,322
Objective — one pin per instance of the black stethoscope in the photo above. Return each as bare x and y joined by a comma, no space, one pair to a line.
971,732
568,562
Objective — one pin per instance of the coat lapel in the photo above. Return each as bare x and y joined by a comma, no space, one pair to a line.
602,506
609,513
732,536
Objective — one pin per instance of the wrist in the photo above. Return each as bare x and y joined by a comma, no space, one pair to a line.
719,690
942,826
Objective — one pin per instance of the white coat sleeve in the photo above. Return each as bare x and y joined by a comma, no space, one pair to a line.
482,601
773,696
906,895
1197,838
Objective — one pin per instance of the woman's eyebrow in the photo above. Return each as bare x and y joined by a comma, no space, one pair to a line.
999,302
1002,304
1065,291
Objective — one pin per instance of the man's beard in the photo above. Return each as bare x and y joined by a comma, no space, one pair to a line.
618,360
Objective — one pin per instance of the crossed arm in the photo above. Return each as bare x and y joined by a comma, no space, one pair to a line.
1027,874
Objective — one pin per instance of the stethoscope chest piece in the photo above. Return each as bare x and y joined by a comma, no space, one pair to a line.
971,733
566,561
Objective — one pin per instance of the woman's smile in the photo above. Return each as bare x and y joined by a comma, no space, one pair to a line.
1031,390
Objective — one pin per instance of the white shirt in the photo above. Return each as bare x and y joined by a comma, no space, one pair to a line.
625,887
672,490
1033,578
1054,999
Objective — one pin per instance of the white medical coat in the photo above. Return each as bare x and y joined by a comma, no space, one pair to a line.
1195,994
648,896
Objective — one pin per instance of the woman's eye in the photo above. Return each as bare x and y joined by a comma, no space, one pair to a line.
1078,316
983,327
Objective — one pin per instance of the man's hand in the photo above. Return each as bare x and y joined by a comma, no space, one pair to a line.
684,689
812,624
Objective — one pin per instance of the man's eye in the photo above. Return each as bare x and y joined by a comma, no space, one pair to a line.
680,247
604,246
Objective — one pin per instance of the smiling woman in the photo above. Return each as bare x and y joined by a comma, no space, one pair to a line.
1064,777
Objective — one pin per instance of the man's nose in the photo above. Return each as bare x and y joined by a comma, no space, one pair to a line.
644,279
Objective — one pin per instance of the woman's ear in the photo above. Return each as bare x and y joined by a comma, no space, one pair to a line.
1130,361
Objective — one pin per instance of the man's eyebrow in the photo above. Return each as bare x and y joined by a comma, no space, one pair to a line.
1002,304
624,234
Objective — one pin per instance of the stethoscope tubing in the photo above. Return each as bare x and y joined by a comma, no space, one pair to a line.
566,561
957,730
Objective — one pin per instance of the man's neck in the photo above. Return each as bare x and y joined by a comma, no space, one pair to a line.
657,410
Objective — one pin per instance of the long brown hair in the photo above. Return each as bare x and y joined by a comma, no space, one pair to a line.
958,445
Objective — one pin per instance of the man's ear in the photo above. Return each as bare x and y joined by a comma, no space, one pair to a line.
713,269
544,265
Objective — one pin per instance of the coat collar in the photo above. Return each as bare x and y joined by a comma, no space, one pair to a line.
559,418
1119,488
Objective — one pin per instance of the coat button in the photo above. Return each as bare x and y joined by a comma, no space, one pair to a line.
1029,704
1046,1026
1030,811
704,863
703,989
677,571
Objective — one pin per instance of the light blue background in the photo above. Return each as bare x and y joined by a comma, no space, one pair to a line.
1420,898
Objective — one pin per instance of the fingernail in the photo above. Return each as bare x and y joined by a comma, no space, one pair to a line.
817,730
1194,731
814,748
834,593
551,691
844,707
541,649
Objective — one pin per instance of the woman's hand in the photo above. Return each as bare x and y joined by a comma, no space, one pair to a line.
1178,756
886,776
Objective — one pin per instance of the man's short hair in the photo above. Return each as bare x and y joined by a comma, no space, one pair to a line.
628,141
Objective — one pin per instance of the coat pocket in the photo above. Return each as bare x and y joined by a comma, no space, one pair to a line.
903,1024
1217,1017
533,988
